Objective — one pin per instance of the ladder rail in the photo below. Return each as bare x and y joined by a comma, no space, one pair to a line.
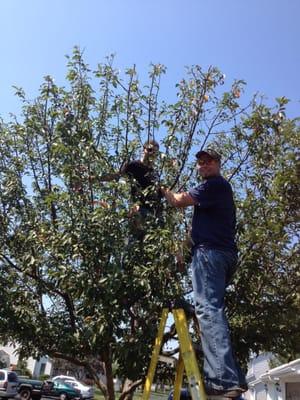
187,359
188,355
178,378
155,355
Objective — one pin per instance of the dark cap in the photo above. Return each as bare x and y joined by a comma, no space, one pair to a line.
151,143
210,152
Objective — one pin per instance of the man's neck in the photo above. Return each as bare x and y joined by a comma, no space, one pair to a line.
211,176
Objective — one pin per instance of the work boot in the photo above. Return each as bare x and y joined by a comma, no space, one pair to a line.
230,393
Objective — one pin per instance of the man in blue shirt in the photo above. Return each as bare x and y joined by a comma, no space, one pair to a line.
213,264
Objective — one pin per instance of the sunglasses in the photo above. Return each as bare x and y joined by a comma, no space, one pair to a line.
205,162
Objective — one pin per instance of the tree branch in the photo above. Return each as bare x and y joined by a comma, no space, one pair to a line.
49,287
131,388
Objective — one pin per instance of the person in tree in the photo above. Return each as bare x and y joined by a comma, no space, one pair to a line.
214,261
144,189
144,181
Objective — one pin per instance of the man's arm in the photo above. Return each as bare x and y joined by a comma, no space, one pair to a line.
183,199
115,176
108,177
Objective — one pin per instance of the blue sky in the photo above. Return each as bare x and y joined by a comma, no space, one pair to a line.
255,40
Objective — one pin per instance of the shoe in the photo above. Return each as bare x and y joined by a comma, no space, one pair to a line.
230,393
243,387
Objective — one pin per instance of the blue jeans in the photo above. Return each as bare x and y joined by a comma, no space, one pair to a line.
212,270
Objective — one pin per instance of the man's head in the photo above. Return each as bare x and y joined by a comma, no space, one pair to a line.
208,163
150,152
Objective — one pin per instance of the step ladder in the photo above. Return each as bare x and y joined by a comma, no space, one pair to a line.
187,358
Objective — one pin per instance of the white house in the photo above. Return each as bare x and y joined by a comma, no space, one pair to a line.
256,367
9,356
280,383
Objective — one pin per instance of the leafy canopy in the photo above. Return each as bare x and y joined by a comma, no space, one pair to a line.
76,284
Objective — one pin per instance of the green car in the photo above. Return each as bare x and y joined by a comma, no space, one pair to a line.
60,391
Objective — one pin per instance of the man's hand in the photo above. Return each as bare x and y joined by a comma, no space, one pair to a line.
133,210
183,199
101,203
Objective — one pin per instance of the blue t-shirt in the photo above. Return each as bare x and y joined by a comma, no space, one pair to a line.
214,219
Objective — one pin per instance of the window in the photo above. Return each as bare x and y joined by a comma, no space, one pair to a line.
42,369
2,376
293,390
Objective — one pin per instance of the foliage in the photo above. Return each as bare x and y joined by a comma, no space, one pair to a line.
44,377
76,284
22,368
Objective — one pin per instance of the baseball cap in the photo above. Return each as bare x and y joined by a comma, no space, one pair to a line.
211,152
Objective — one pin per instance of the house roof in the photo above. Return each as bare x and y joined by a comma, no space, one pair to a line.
287,370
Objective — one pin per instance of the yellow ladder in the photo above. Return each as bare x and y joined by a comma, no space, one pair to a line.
187,359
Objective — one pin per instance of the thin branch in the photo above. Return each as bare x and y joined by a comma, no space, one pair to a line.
191,133
150,105
128,110
239,166
48,286
155,106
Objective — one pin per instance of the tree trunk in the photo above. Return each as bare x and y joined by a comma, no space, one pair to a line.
109,375
101,386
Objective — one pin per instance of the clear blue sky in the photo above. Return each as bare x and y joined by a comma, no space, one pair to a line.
255,40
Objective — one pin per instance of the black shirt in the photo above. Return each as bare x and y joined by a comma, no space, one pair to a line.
214,218
143,189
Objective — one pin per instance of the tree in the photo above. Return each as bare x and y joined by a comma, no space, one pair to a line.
76,284
22,367
266,295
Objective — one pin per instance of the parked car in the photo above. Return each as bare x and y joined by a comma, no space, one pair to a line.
87,392
8,383
29,388
60,390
